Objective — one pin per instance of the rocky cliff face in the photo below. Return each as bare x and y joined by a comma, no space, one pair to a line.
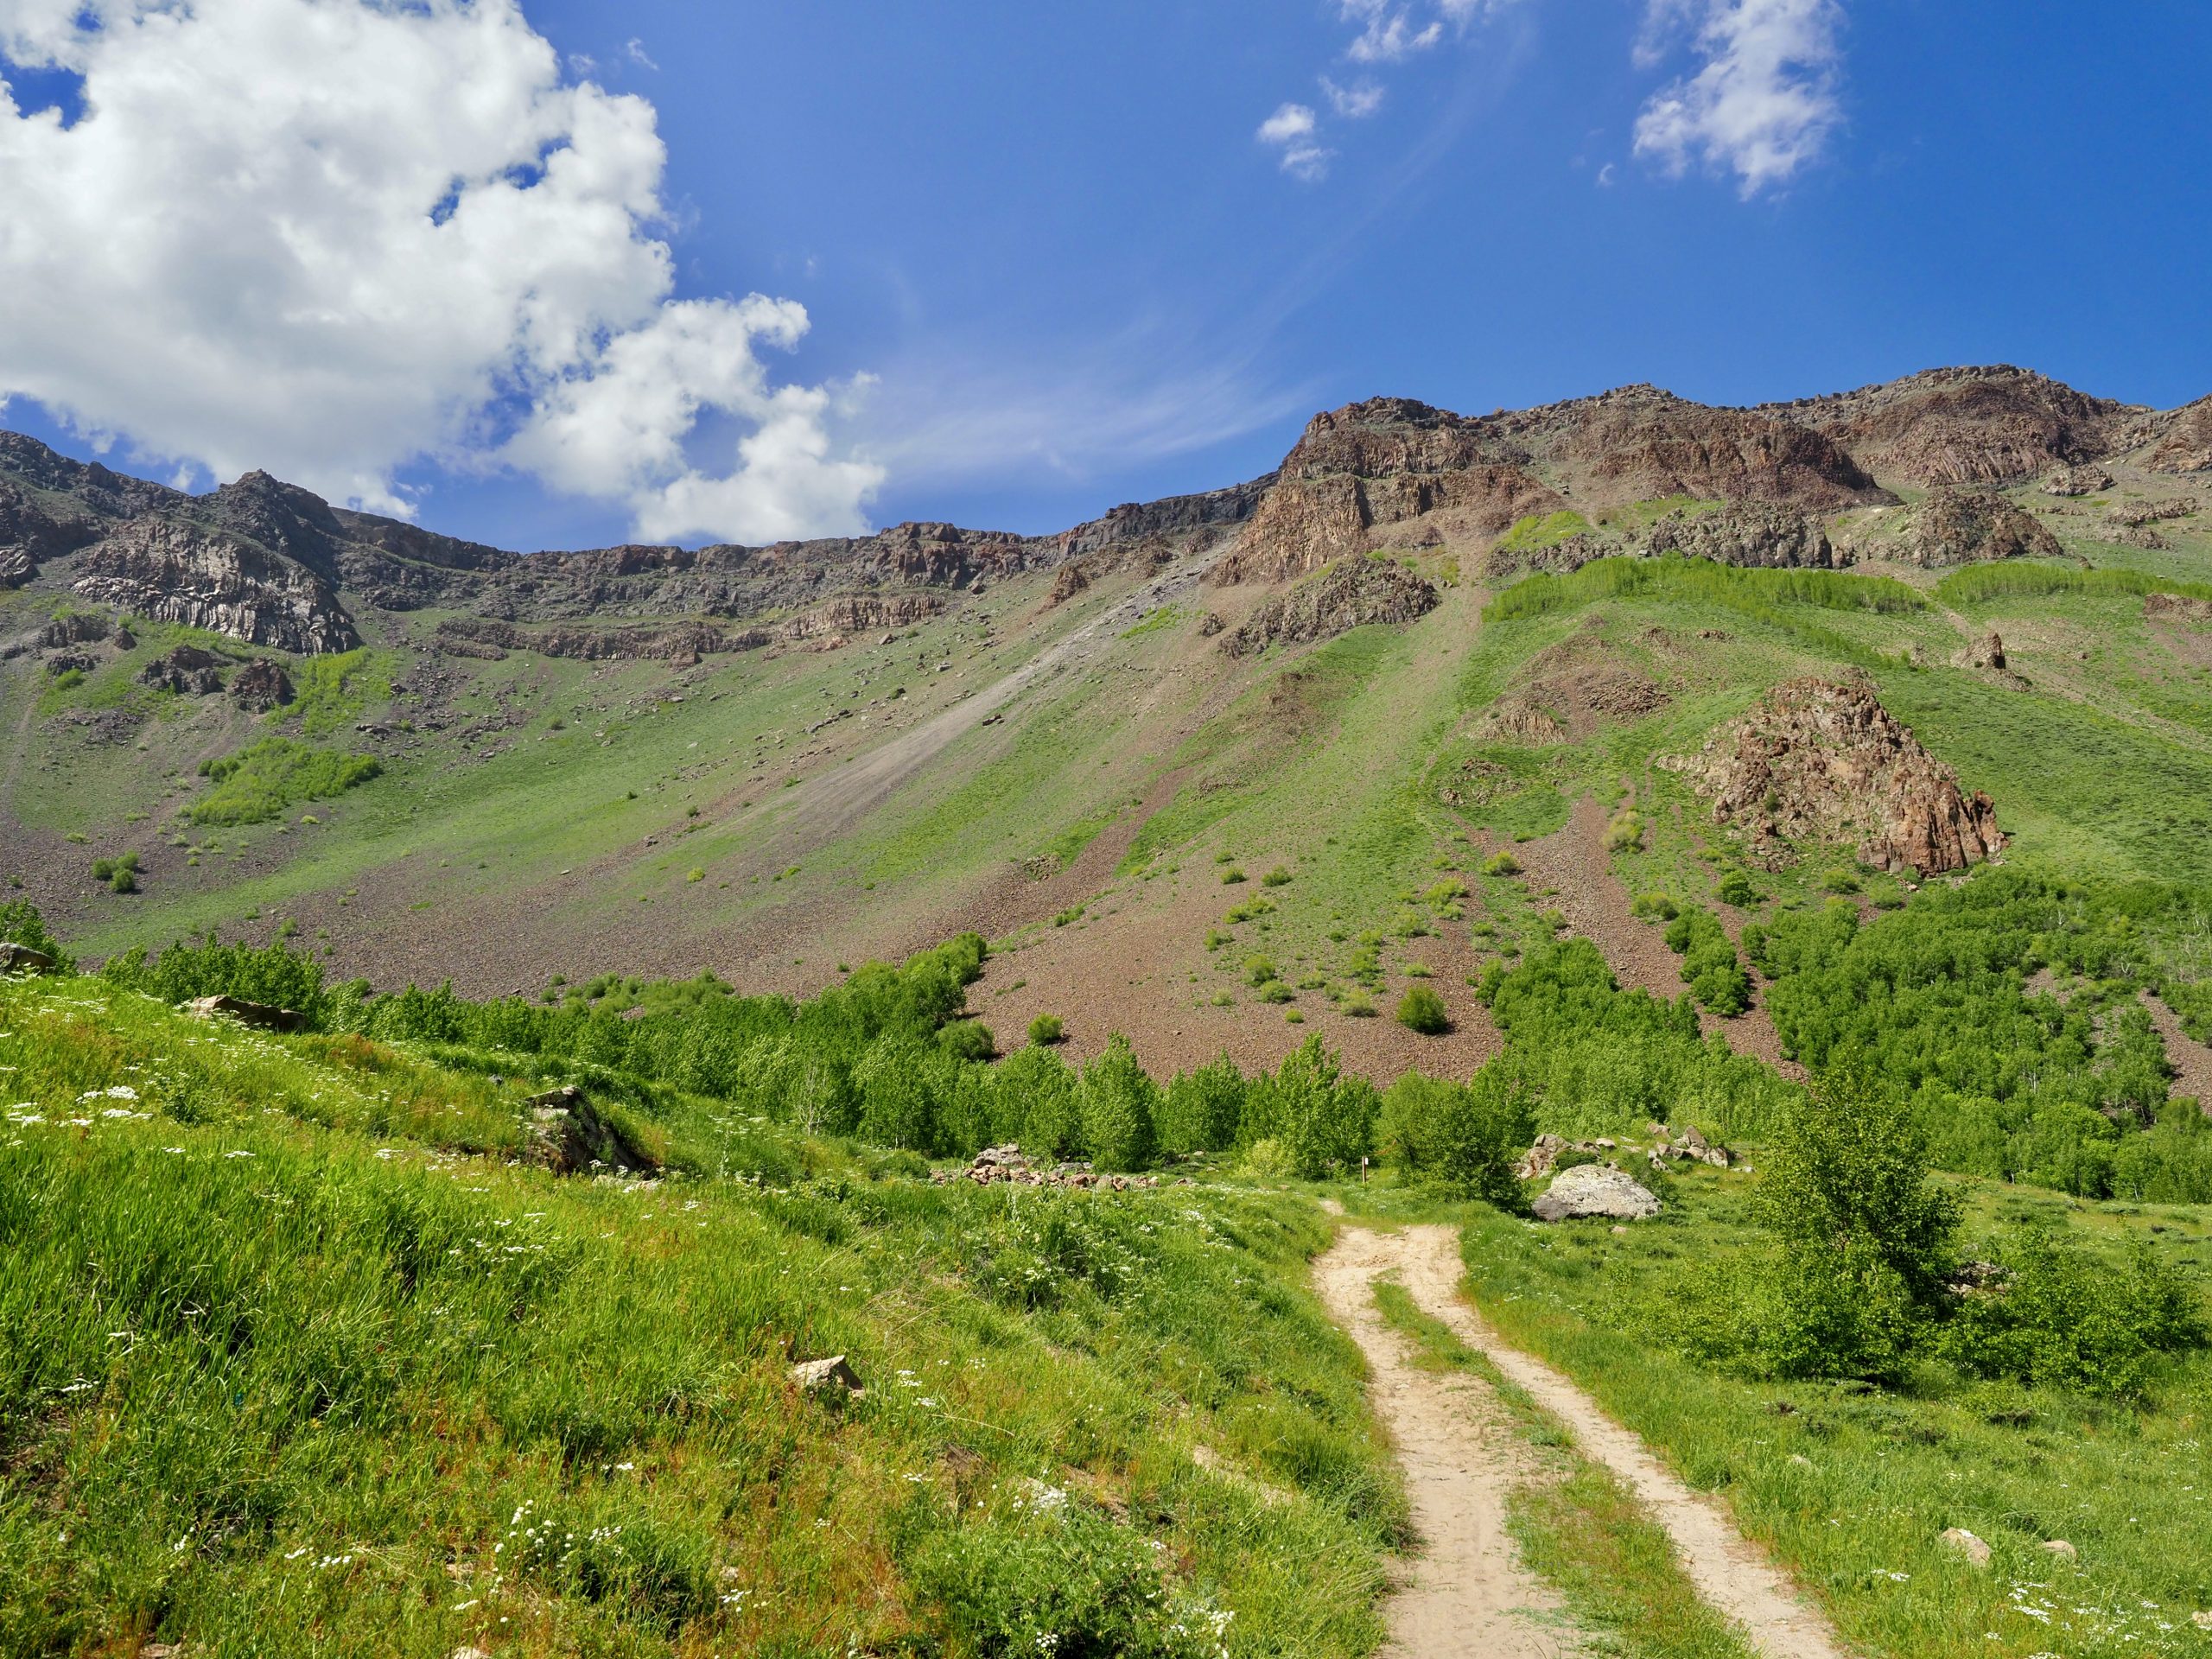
172,571
1822,761
1748,534
1639,443
2183,442
1969,425
1967,526
1351,593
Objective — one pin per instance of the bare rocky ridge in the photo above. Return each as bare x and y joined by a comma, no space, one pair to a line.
1349,594
1970,425
1967,526
1822,761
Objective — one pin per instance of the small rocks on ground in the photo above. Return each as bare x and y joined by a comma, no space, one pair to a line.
2060,1548
831,1377
1959,1539
1008,1163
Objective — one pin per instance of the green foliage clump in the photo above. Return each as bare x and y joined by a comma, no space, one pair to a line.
1710,966
1463,1138
21,923
1259,971
120,872
1322,1121
1422,1010
1736,891
259,783
1203,1110
1624,832
1232,876
274,974
2053,1315
2013,1084
1500,863
1278,877
1543,530
1120,1109
1653,907
1047,1029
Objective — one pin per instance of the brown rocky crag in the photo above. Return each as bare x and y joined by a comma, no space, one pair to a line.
1959,526
1349,594
1822,761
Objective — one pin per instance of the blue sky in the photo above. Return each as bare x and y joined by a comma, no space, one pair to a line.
1048,262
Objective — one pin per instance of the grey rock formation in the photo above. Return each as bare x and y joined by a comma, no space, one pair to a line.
1598,1189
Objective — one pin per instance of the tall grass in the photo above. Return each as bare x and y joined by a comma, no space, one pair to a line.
1701,582
1974,583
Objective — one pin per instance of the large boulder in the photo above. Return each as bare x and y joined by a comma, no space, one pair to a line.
1748,533
188,670
1596,1189
261,1014
261,685
570,1136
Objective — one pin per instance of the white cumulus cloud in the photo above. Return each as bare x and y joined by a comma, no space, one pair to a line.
331,237
1291,129
1764,103
1388,32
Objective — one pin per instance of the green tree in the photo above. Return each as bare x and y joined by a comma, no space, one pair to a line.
1204,1110
1120,1109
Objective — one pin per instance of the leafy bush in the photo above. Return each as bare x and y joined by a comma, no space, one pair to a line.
1710,966
1274,991
1278,877
1202,1111
1259,970
1501,864
1624,833
2058,1316
1120,1109
1322,1121
273,974
1464,1138
259,783
1422,1010
1047,1029
1653,907
1736,890
1231,876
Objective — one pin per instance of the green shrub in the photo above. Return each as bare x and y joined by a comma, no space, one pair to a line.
273,974
1275,991
1501,864
1278,877
1736,890
1047,1029
1203,1110
1710,966
126,879
1259,970
1231,876
1120,1108
1625,833
1463,1138
1422,1010
1322,1121
259,783
2057,1316
1653,907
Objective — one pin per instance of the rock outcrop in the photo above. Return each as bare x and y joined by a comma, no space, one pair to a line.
1969,425
1822,761
1746,535
1967,526
1988,652
175,571
261,685
566,1133
1349,594
2070,481
188,670
1385,461
2183,441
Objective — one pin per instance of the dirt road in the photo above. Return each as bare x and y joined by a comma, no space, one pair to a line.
1469,1594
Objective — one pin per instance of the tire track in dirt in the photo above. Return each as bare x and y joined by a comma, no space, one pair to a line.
1468,1592
1731,1574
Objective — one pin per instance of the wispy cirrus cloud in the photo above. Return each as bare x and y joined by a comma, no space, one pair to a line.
1763,104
